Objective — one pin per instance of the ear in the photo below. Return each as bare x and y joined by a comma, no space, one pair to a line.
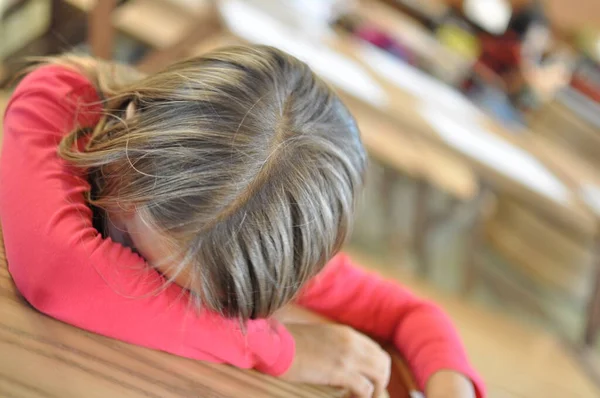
130,110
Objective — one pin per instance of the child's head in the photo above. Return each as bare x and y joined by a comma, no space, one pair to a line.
239,168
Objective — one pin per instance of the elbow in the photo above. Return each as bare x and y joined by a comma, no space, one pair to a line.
435,310
431,306
429,318
38,291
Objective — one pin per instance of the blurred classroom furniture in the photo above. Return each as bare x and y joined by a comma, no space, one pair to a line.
564,15
570,122
434,56
21,23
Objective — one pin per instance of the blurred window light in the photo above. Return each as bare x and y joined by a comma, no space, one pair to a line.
497,153
322,10
256,26
492,16
418,83
591,195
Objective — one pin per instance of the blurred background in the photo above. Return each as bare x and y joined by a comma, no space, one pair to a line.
482,120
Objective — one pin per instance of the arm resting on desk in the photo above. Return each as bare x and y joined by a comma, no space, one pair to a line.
388,312
402,383
66,269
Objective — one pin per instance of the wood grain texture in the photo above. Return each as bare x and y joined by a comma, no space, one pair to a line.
559,124
159,23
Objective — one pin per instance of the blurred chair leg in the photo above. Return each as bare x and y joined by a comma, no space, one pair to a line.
394,237
421,227
159,59
451,207
101,33
476,230
592,326
588,358
471,262
425,221
585,350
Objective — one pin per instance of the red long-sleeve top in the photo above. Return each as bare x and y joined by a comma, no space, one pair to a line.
65,268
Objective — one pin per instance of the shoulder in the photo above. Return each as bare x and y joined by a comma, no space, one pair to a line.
57,85
53,95
52,76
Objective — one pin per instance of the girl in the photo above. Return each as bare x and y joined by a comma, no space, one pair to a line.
233,175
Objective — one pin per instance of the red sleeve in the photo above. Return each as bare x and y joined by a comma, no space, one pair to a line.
66,269
386,311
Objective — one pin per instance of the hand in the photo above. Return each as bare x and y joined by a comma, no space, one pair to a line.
338,356
449,384
291,313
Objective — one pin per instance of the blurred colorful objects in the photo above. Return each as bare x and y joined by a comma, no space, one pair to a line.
459,39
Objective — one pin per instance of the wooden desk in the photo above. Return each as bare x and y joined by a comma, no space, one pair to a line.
367,78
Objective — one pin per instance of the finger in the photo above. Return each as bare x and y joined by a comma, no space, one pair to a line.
374,363
379,379
359,386
377,367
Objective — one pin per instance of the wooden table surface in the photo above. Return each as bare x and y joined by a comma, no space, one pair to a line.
406,110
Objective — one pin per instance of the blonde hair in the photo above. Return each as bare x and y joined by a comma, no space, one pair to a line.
243,159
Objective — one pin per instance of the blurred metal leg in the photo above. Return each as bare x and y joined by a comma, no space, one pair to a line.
158,59
101,33
395,241
421,227
592,325
476,230
585,350
426,221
